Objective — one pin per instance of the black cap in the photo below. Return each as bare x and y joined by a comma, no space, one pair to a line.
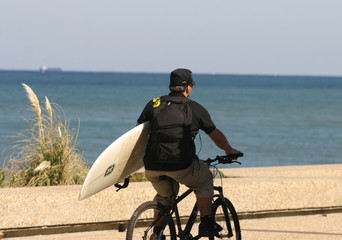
181,77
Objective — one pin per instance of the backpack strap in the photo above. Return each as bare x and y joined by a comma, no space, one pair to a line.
163,100
175,99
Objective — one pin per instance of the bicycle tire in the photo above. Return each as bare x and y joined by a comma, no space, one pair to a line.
140,225
225,215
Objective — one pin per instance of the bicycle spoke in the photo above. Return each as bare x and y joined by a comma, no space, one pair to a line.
142,223
225,216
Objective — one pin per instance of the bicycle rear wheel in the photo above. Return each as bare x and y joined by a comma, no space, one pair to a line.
141,224
225,215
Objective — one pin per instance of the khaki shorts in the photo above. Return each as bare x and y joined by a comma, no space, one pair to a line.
196,177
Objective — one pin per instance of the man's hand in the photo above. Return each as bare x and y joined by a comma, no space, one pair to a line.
233,151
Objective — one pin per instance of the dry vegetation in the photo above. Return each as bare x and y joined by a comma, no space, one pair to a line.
45,153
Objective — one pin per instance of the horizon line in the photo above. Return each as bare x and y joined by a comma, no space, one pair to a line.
148,72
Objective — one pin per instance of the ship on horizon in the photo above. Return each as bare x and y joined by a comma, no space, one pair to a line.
44,69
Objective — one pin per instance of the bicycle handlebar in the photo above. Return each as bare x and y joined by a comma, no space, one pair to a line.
226,159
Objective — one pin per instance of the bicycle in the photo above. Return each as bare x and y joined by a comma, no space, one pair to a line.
144,218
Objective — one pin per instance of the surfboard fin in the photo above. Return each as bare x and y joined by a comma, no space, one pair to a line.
124,185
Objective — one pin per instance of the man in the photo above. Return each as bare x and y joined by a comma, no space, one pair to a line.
164,154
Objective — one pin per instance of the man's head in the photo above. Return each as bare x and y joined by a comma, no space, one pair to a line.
181,80
181,77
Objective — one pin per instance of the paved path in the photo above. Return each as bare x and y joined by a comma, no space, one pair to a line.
300,228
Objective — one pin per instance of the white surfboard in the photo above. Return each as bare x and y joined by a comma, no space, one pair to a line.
122,158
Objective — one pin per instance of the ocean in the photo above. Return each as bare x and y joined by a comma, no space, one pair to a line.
273,120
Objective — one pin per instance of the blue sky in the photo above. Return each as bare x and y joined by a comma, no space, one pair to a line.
292,37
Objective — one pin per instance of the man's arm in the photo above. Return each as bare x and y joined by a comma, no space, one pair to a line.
221,141
145,114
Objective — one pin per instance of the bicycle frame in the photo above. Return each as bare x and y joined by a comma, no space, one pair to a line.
175,200
192,218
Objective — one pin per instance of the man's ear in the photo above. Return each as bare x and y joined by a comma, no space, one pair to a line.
187,90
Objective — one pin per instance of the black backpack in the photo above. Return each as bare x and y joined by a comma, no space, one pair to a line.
171,138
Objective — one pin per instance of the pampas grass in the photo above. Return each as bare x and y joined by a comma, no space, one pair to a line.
46,153
34,102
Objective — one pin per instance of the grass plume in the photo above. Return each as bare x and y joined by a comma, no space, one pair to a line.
48,108
35,106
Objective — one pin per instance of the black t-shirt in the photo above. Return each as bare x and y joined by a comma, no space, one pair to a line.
201,120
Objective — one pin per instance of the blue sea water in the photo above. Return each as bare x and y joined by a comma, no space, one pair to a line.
274,120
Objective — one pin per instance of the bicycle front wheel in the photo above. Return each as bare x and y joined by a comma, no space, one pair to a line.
142,222
225,215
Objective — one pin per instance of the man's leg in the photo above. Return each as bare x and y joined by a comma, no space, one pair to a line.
204,205
164,192
200,179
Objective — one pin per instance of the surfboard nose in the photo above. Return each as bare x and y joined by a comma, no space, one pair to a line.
82,195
